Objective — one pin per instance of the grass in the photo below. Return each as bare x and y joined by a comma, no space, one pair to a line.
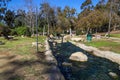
115,35
24,64
20,45
105,45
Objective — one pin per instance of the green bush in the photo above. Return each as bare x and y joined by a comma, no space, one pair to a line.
4,31
22,31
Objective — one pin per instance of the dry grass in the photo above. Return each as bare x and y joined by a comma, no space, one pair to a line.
19,60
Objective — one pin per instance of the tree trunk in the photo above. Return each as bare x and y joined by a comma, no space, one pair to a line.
88,29
114,27
96,31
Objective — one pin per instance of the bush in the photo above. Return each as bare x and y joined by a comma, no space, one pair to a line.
4,31
22,31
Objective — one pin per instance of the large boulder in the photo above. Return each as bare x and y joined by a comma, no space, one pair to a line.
78,56
113,75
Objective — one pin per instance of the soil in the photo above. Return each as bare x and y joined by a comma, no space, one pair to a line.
17,67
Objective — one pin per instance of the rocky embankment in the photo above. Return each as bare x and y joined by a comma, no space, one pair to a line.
114,57
55,73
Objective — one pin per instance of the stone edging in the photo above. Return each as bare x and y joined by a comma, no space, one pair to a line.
55,72
114,57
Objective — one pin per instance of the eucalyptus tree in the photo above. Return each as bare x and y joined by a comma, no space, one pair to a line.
70,16
20,18
30,15
65,18
87,8
115,13
101,5
52,19
59,20
87,4
45,9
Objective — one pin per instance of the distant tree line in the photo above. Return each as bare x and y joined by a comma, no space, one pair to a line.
56,20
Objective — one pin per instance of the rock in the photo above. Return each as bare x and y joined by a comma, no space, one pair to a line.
49,58
112,56
77,39
22,36
113,75
66,64
78,56
35,44
48,53
54,43
67,37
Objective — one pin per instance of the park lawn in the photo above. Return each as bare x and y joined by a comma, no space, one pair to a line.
115,35
105,45
19,60
22,46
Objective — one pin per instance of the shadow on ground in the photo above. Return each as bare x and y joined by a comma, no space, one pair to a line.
26,69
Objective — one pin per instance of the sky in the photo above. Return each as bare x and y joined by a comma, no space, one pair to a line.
20,4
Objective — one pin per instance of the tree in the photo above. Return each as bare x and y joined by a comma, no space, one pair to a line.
87,8
20,18
101,5
95,20
22,31
65,18
87,4
3,8
4,31
30,16
45,9
9,18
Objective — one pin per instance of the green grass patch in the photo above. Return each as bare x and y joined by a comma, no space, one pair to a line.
115,35
20,45
105,45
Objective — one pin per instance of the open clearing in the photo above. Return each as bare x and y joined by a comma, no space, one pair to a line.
19,60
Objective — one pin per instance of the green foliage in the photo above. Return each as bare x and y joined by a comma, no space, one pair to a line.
1,28
60,20
4,30
20,18
87,4
95,18
9,18
1,24
115,35
3,8
22,31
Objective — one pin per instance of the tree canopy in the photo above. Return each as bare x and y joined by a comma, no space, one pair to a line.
59,20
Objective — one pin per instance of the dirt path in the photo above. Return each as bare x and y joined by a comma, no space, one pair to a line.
27,67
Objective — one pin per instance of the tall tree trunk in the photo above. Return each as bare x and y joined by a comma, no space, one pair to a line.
109,27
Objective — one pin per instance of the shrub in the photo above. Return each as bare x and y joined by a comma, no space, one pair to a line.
4,31
22,31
